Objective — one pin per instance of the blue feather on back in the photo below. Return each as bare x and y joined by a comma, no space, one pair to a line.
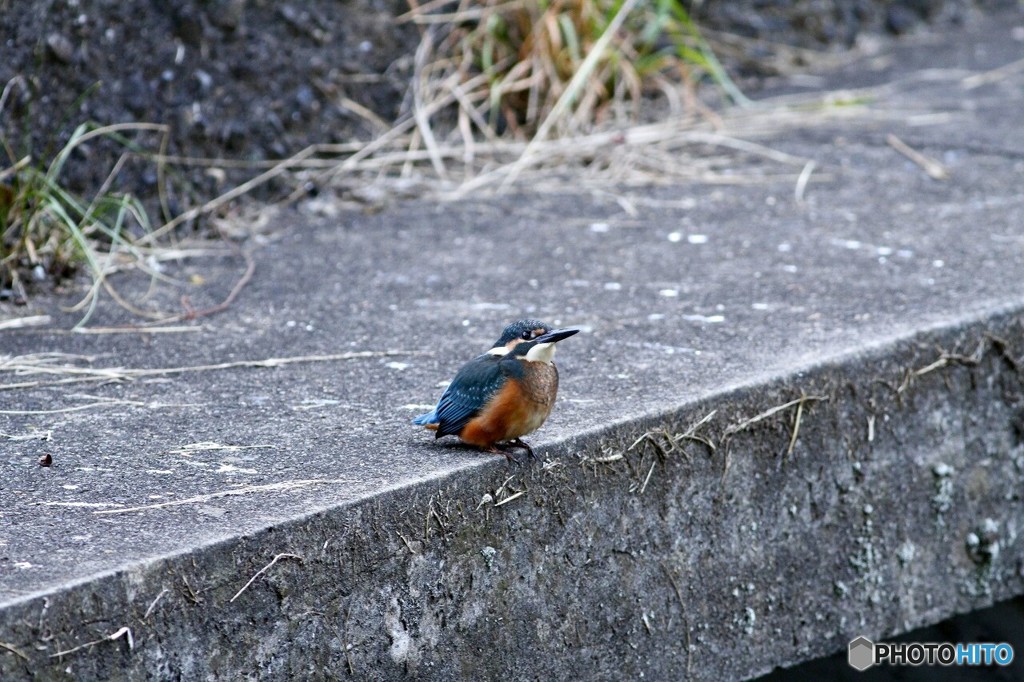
473,385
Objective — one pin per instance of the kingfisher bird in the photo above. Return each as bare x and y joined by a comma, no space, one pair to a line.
504,394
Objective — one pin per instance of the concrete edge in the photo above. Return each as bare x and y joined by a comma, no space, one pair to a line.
428,577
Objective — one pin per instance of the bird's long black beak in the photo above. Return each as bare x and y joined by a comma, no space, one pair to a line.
556,335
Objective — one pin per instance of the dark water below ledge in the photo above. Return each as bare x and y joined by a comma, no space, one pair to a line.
1003,622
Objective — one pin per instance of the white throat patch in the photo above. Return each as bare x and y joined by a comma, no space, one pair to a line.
542,352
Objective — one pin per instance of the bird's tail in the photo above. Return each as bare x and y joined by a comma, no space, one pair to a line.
426,419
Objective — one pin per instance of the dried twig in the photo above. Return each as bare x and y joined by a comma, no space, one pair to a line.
250,269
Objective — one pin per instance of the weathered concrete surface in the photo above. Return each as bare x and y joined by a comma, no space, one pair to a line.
889,301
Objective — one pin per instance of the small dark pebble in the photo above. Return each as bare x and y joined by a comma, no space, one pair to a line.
899,19
46,460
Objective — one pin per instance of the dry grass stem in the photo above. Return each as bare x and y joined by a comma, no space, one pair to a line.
29,321
802,180
691,433
647,479
747,423
282,486
228,196
13,650
934,169
673,439
125,632
463,85
993,76
945,359
665,152
45,436
208,446
154,603
511,497
796,427
279,557
44,364
98,401
616,456
81,505
139,330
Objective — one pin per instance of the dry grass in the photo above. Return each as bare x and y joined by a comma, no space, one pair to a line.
683,149
558,67
73,369
46,229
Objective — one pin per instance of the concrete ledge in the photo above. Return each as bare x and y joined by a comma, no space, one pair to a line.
889,498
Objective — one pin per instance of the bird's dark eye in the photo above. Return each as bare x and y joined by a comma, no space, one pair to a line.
527,334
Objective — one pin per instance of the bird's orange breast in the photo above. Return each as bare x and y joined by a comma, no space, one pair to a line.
520,407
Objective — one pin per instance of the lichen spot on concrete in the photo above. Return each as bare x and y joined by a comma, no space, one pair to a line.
403,648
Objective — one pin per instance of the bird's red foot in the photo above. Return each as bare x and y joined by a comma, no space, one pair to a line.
507,451
520,443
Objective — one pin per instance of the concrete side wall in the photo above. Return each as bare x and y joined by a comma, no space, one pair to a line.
896,503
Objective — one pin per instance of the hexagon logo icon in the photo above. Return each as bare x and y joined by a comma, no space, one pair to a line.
862,654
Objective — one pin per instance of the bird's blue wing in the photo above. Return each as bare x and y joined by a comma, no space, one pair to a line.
473,385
